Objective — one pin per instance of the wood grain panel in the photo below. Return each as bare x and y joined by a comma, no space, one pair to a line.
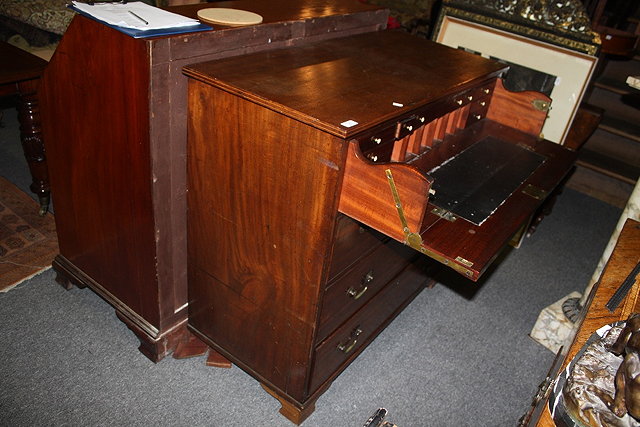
262,230
97,142
299,76
516,110
366,194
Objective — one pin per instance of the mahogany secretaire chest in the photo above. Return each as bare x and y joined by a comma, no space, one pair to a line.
322,177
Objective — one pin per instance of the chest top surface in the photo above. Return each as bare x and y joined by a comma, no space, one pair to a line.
350,84
281,10
20,65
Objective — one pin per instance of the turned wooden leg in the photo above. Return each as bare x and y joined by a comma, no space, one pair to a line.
292,412
31,138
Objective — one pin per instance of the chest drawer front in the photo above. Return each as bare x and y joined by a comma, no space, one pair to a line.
353,241
337,351
380,153
359,284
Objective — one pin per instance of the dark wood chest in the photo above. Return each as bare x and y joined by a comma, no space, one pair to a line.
326,181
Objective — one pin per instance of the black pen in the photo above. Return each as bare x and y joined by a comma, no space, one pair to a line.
139,17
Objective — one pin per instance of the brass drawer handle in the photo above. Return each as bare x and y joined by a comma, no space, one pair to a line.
354,293
351,342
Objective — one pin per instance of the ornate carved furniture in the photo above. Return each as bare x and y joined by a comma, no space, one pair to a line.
40,22
320,175
20,75
116,127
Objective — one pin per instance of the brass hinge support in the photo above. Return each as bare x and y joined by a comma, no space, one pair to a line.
444,214
414,240
541,105
535,192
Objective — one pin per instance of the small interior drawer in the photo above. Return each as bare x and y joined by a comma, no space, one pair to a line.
380,152
349,340
409,135
381,136
360,283
478,109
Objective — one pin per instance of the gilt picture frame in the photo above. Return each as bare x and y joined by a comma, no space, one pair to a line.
571,69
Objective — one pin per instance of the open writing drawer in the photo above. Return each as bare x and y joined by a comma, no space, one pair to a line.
433,150
458,180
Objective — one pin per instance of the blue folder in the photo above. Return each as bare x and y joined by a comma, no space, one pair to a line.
137,34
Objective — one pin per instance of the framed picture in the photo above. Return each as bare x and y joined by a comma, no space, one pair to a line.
561,73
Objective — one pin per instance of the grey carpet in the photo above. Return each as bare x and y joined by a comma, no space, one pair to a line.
459,355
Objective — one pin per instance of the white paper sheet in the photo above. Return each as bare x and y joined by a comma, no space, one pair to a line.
136,15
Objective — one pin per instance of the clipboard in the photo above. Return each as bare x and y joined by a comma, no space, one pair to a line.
137,34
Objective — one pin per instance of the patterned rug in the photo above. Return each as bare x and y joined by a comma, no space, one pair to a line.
28,242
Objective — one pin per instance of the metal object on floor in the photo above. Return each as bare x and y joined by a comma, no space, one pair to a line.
377,419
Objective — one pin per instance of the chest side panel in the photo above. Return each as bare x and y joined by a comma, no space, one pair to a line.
262,194
97,140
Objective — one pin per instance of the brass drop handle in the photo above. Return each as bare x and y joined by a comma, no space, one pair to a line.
355,293
347,346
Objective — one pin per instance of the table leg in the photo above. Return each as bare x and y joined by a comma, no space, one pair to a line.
32,144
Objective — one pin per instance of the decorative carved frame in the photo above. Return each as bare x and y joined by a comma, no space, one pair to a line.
573,67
